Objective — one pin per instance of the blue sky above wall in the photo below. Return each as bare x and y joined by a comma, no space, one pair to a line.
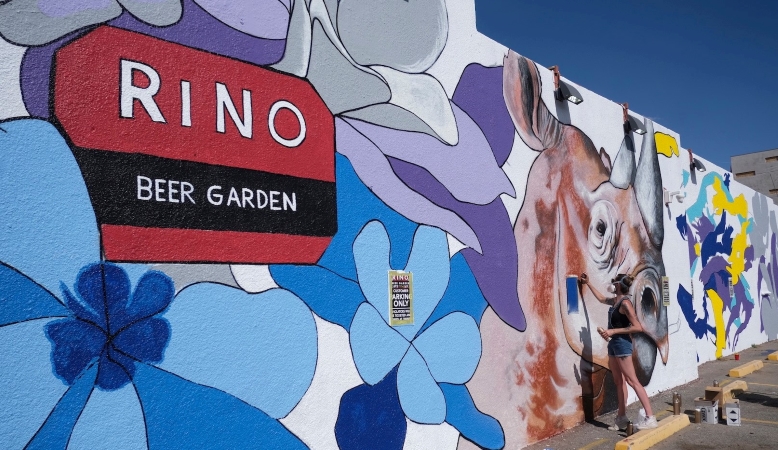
704,68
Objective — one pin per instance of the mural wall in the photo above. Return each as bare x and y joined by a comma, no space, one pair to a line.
338,224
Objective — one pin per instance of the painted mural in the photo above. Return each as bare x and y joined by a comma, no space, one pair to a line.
335,224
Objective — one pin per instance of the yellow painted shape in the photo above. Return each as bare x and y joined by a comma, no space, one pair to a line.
594,444
666,145
646,438
697,249
745,369
718,315
737,259
773,356
737,206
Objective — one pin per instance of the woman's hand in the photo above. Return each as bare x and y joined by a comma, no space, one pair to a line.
583,278
606,334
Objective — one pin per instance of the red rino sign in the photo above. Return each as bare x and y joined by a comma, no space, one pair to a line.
195,157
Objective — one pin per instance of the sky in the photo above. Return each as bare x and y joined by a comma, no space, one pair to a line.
707,69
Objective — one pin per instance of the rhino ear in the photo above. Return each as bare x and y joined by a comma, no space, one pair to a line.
606,160
521,88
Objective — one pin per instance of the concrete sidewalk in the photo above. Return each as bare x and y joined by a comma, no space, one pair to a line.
759,412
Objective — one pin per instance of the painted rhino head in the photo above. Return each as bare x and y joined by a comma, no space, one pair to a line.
582,213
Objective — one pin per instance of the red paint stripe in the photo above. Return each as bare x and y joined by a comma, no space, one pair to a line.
87,104
138,244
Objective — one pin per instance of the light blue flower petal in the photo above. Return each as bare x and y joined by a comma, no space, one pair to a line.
430,266
428,262
421,398
182,414
451,347
22,299
485,431
260,348
28,388
376,347
118,411
371,256
55,432
45,205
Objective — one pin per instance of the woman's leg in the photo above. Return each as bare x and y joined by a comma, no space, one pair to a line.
621,384
628,372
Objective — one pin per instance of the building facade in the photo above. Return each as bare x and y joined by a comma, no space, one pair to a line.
758,170
338,224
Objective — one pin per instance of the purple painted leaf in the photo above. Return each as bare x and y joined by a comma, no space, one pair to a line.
196,29
479,94
373,169
261,18
468,170
496,269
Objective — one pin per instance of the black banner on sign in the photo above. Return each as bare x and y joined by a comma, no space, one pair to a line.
150,191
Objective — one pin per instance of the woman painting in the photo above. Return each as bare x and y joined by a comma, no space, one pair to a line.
622,321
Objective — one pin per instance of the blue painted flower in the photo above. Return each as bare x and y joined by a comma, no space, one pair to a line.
216,372
336,288
110,326
447,351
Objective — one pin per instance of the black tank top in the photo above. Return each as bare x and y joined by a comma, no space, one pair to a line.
616,318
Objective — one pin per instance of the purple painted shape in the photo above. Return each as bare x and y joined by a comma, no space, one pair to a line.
496,271
714,265
62,8
748,256
267,19
35,74
198,29
703,227
373,169
740,303
479,94
722,288
691,241
468,169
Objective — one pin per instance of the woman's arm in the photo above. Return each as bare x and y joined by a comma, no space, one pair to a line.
635,326
584,279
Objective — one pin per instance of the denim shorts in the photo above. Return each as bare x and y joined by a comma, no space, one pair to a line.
620,345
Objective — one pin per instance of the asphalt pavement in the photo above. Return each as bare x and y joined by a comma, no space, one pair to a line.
759,412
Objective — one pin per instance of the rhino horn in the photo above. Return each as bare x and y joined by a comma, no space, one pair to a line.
648,187
623,174
536,126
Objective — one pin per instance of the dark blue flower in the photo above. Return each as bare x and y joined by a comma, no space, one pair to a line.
110,326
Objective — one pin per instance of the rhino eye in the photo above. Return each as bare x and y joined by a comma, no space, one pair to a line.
601,227
601,232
